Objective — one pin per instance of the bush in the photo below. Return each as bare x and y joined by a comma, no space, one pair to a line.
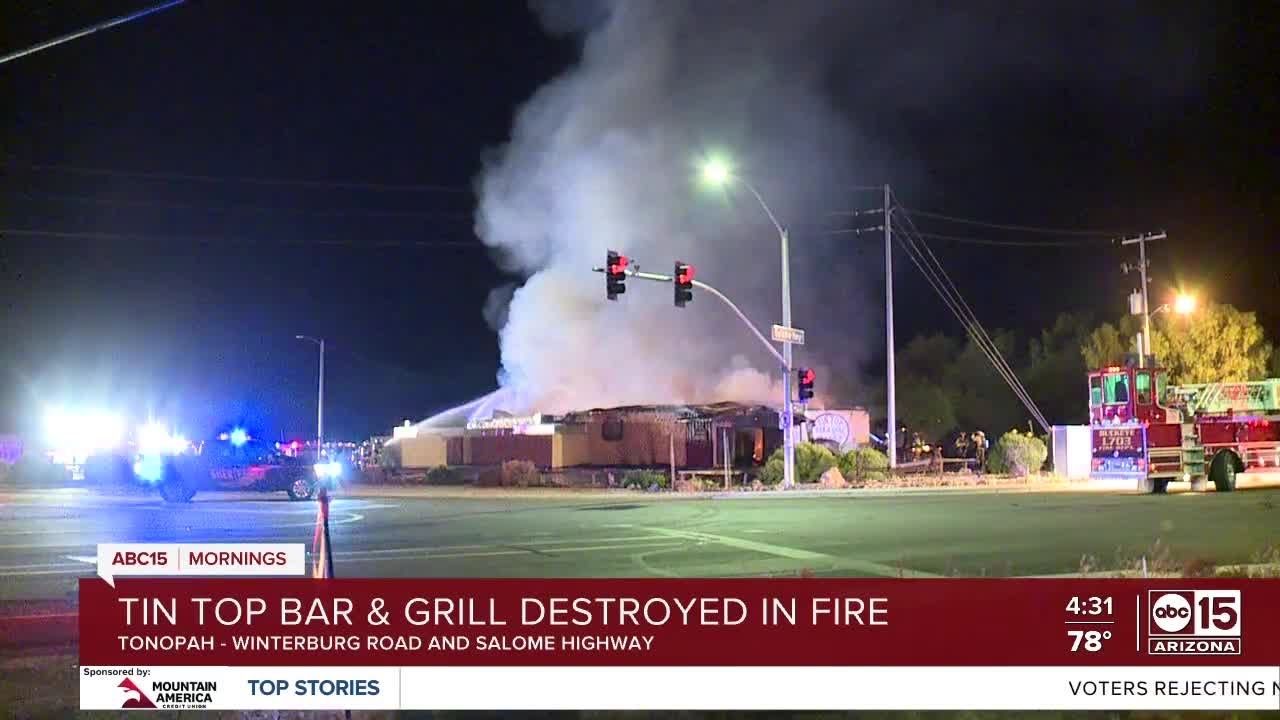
519,473
444,475
812,460
644,479
862,465
1019,454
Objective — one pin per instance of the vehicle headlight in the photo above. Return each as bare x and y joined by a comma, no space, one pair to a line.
328,470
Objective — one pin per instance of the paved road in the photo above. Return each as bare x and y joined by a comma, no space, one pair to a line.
47,539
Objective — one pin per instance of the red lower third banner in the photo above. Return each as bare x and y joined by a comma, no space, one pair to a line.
671,644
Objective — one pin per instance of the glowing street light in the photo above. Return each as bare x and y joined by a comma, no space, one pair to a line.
1183,304
716,172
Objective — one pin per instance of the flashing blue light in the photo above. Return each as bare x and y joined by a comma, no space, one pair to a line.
149,468
239,437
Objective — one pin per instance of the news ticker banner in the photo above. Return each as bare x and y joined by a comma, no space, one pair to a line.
297,643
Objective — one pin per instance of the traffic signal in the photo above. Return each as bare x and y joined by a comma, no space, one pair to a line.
806,383
615,275
683,282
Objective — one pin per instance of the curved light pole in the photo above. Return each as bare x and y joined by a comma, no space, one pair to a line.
320,397
717,172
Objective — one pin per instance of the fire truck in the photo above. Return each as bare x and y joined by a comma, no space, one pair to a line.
1146,430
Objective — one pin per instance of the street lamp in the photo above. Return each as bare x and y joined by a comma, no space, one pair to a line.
1183,304
320,396
718,172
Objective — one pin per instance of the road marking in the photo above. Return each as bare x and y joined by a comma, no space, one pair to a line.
36,566
843,563
515,551
437,548
766,548
350,518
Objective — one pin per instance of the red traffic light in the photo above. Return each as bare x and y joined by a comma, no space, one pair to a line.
683,284
809,377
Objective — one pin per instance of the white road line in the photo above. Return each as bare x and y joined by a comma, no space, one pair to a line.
350,518
6,569
766,548
844,563
508,545
497,553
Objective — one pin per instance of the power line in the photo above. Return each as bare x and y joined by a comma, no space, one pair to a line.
947,290
1101,234
975,331
223,240
326,184
1005,243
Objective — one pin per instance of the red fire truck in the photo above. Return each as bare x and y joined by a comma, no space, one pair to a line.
1154,433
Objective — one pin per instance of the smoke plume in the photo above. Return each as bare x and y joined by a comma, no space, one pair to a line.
605,157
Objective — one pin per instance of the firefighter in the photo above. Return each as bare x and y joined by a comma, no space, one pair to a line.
962,445
980,445
917,446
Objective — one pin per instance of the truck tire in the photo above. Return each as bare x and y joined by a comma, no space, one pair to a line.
175,488
1223,469
301,489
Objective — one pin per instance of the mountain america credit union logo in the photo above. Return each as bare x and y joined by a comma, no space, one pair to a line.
1193,622
168,694
134,697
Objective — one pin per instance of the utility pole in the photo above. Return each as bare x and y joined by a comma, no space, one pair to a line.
1141,241
320,396
891,428
788,432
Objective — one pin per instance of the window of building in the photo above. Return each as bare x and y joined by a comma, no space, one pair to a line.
611,430
1142,383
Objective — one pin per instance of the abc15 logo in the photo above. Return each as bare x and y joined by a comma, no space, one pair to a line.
1194,613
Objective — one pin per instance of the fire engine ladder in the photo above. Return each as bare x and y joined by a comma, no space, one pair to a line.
1192,451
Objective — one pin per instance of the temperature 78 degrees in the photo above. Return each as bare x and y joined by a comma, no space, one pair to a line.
1089,611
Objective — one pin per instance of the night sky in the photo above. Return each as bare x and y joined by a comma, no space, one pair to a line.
182,195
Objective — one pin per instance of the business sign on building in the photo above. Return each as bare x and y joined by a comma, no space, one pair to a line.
831,428
510,422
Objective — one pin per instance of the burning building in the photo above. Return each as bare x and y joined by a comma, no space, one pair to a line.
690,437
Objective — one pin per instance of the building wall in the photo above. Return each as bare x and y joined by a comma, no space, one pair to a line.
570,448
645,439
423,451
499,447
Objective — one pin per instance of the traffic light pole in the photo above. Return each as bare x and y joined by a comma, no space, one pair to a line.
658,277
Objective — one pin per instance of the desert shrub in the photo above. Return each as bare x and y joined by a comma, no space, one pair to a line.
519,473
1018,453
812,460
862,465
444,475
644,479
